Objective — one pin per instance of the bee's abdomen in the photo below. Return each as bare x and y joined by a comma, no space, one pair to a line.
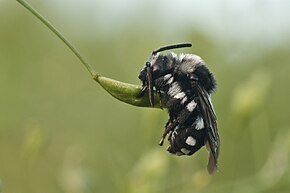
188,136
186,140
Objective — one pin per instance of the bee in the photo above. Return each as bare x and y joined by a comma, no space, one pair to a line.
186,85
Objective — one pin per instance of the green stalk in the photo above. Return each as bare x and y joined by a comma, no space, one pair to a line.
58,34
124,92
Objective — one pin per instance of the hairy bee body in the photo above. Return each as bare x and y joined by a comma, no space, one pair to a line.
186,84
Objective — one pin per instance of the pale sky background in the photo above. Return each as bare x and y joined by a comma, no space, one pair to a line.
265,20
264,24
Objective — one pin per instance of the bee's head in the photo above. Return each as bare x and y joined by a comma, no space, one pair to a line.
149,67
158,64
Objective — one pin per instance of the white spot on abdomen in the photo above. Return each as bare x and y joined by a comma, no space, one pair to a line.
185,151
170,80
184,100
174,89
199,123
167,76
191,106
179,95
190,141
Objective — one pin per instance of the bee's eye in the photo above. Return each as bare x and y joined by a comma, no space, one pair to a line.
142,75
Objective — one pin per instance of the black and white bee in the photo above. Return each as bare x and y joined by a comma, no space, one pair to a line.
185,84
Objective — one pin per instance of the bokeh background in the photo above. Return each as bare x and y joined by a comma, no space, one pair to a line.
61,132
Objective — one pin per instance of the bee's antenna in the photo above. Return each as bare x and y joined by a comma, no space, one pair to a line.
170,47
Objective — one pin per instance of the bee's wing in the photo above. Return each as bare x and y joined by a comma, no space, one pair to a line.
209,117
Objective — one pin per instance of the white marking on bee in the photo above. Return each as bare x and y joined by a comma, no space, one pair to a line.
194,58
184,100
180,95
179,153
170,80
181,56
176,128
191,106
190,141
173,55
174,89
166,77
189,62
199,123
174,132
185,151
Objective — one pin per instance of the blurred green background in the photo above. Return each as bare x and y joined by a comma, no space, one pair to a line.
61,132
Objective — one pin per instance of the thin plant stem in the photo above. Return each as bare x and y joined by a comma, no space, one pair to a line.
56,32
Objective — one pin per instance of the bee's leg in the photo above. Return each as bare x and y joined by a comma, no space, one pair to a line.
160,101
142,92
164,134
168,127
